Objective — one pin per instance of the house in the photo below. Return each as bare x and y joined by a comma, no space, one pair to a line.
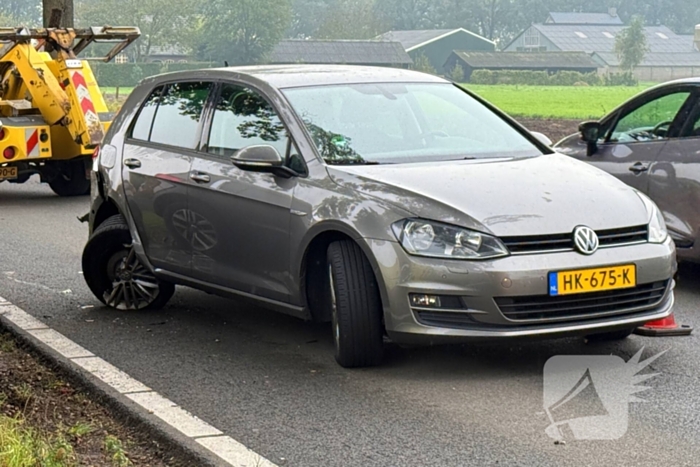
670,55
551,62
167,54
437,44
609,18
349,52
655,66
592,38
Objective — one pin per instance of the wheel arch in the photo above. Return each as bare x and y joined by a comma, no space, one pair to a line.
107,209
311,266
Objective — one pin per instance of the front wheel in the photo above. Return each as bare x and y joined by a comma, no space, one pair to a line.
70,179
356,307
115,274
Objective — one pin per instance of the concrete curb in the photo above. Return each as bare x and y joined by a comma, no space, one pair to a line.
185,450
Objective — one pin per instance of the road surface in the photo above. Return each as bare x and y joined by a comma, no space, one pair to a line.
270,381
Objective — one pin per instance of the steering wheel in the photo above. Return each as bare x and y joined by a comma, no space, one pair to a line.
658,127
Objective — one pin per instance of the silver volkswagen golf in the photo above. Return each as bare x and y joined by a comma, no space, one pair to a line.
387,202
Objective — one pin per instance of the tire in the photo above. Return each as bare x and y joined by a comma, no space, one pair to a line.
610,336
70,179
356,307
114,273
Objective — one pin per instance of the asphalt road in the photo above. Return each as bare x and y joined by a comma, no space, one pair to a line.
270,381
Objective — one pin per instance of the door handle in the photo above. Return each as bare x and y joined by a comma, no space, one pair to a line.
200,177
639,168
132,163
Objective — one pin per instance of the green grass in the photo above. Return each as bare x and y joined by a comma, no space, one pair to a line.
22,446
572,102
112,91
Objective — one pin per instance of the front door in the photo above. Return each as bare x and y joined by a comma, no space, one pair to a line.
158,155
637,134
674,181
244,216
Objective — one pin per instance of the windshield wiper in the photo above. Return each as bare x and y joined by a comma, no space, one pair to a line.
351,162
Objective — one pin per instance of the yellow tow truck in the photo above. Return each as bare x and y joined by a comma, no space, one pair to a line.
52,113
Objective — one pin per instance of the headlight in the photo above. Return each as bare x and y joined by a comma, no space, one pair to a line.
657,225
433,239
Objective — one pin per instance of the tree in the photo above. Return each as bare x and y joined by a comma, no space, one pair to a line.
64,10
307,16
351,19
631,44
457,74
243,31
422,63
162,22
20,13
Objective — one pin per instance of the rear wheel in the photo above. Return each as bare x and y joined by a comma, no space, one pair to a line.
70,179
610,336
115,274
356,308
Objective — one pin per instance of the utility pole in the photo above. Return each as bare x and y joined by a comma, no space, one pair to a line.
58,13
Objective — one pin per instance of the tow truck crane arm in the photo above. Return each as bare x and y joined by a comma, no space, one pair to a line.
62,98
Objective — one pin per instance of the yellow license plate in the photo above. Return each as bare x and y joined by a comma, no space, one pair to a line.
8,173
592,280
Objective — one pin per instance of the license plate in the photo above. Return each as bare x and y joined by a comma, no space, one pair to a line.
592,280
8,173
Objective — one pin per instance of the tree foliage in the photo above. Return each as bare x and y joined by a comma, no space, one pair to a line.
242,31
350,19
631,44
422,63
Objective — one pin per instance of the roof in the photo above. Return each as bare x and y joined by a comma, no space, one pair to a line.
411,40
167,50
349,52
583,18
527,60
690,59
591,38
287,76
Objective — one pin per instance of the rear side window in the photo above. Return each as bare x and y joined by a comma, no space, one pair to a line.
171,115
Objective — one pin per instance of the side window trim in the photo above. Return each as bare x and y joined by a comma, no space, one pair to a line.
160,88
693,117
163,86
208,119
636,105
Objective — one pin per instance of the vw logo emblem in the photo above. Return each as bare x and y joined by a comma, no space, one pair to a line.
585,240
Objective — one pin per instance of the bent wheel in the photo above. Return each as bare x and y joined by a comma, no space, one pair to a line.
115,274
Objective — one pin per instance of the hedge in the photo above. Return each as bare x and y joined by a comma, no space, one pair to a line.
129,74
542,78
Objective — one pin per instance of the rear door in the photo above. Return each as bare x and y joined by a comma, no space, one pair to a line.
674,181
636,135
241,218
158,155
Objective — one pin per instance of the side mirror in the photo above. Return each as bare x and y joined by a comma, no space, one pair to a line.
542,138
261,158
590,133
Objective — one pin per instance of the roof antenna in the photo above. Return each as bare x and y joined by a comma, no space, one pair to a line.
226,63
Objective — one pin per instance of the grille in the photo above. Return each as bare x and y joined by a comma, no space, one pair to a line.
588,305
565,242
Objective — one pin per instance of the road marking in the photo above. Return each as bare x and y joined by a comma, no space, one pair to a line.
111,375
228,449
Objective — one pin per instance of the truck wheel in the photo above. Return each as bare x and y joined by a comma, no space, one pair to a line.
610,336
70,179
356,306
115,274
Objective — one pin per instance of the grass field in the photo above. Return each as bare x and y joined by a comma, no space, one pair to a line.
572,102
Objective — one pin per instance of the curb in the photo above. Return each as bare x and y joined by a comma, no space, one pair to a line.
185,450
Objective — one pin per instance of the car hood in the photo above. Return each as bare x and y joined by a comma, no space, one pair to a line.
548,194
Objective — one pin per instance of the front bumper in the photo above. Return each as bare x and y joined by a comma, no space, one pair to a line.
478,284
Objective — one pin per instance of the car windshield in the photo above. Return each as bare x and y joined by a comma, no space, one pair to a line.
403,122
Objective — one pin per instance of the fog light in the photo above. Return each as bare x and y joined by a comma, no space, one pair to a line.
432,301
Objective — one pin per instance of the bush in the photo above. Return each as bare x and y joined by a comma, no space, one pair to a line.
422,63
535,78
620,79
129,74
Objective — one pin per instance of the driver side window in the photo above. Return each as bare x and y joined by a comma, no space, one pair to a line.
651,121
